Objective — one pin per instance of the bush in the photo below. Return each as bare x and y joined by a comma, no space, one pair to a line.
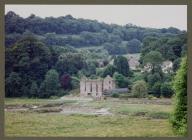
150,97
153,78
62,92
179,117
140,89
166,90
137,76
109,70
156,89
54,97
115,95
120,80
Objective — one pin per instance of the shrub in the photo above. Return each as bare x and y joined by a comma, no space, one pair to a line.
166,90
150,97
115,95
62,92
120,80
140,89
156,89
179,117
54,97
109,70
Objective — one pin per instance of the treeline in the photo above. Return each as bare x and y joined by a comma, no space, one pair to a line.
35,70
153,53
79,33
41,52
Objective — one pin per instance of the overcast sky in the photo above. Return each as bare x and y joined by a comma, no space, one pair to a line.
155,16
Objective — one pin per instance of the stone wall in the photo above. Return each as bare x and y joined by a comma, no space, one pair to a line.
96,87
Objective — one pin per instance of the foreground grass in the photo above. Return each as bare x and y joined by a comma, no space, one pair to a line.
128,119
27,101
35,124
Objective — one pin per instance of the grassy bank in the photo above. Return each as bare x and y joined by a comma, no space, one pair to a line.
35,124
140,120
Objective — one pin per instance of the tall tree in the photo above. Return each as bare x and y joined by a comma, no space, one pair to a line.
13,85
154,58
121,64
34,90
50,85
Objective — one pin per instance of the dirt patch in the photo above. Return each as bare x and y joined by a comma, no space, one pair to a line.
48,110
85,111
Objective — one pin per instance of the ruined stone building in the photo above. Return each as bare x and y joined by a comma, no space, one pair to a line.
96,87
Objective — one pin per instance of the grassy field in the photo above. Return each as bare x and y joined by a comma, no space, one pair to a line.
128,119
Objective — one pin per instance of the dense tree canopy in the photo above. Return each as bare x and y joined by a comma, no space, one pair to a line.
122,66
67,48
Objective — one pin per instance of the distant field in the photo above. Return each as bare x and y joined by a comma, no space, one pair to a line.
133,117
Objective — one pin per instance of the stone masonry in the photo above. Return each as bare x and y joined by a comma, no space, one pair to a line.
96,87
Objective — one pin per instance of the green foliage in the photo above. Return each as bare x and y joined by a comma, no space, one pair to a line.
179,117
109,70
176,64
137,76
153,78
154,58
134,46
150,97
70,63
29,58
166,90
115,95
120,80
34,90
140,89
13,85
75,83
79,47
170,46
115,49
50,85
90,68
156,89
121,64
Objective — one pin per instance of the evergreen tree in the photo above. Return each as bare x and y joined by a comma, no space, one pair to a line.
121,65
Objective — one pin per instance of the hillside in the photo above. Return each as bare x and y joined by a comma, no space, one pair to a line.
68,48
